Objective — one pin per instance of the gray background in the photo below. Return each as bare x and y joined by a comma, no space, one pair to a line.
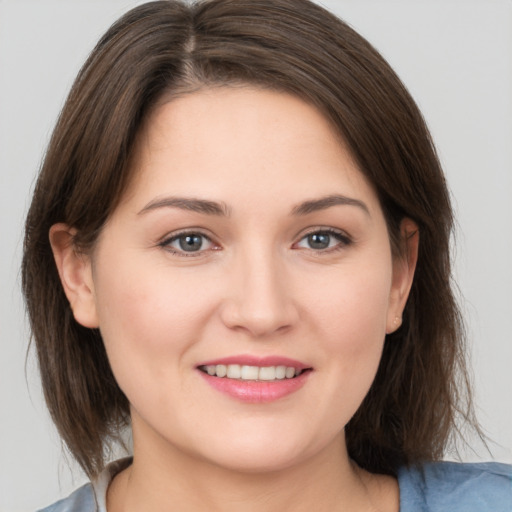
456,58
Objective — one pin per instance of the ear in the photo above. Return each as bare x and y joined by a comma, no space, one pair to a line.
404,265
75,274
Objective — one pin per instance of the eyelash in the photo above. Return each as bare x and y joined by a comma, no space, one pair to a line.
342,238
166,244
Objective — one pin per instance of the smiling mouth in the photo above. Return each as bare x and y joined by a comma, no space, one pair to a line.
253,373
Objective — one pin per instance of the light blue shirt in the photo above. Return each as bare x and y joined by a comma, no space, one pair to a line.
453,487
432,487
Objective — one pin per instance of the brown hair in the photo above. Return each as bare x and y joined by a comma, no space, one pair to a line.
165,48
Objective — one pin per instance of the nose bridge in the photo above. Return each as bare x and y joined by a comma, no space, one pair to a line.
259,298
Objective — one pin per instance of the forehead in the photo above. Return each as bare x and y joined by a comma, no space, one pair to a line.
250,140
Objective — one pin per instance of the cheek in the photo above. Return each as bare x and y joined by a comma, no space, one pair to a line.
146,317
354,303
351,324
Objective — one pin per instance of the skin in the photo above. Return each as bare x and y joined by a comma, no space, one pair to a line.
256,286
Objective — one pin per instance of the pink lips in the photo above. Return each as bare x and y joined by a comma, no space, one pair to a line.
257,361
255,391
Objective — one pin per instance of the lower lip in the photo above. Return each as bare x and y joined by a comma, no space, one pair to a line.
259,391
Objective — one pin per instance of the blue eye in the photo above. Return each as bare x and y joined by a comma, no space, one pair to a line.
187,243
323,240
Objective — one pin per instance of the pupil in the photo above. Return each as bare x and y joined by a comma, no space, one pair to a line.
190,242
319,240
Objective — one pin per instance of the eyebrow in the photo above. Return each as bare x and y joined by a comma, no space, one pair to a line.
207,207
323,203
188,203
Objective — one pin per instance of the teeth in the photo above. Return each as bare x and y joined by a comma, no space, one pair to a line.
280,372
267,373
243,372
221,370
234,371
250,372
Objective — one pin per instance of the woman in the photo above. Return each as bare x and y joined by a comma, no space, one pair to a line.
241,238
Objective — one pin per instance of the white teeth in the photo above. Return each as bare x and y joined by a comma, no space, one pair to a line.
245,372
234,371
267,373
221,370
250,372
290,372
280,372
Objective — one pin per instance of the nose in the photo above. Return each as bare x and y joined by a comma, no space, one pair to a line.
259,299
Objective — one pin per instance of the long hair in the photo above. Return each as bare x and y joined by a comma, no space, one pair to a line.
164,49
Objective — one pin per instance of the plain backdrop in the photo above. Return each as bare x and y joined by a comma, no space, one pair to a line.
455,56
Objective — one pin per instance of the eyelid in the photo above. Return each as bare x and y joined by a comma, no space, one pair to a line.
342,236
165,242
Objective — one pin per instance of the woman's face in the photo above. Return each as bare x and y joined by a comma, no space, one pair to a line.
249,239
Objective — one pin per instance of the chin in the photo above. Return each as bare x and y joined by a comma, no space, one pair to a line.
261,453
256,462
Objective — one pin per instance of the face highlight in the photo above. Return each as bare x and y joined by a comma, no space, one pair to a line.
245,284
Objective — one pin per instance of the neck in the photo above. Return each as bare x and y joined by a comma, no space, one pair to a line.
164,478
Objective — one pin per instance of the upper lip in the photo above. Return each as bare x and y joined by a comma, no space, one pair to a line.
262,361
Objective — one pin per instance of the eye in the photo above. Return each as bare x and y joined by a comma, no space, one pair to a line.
323,240
187,244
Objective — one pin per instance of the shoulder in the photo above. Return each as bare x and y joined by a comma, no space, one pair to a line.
451,486
82,500
91,497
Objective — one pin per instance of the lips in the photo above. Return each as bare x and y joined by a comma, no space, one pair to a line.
253,379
